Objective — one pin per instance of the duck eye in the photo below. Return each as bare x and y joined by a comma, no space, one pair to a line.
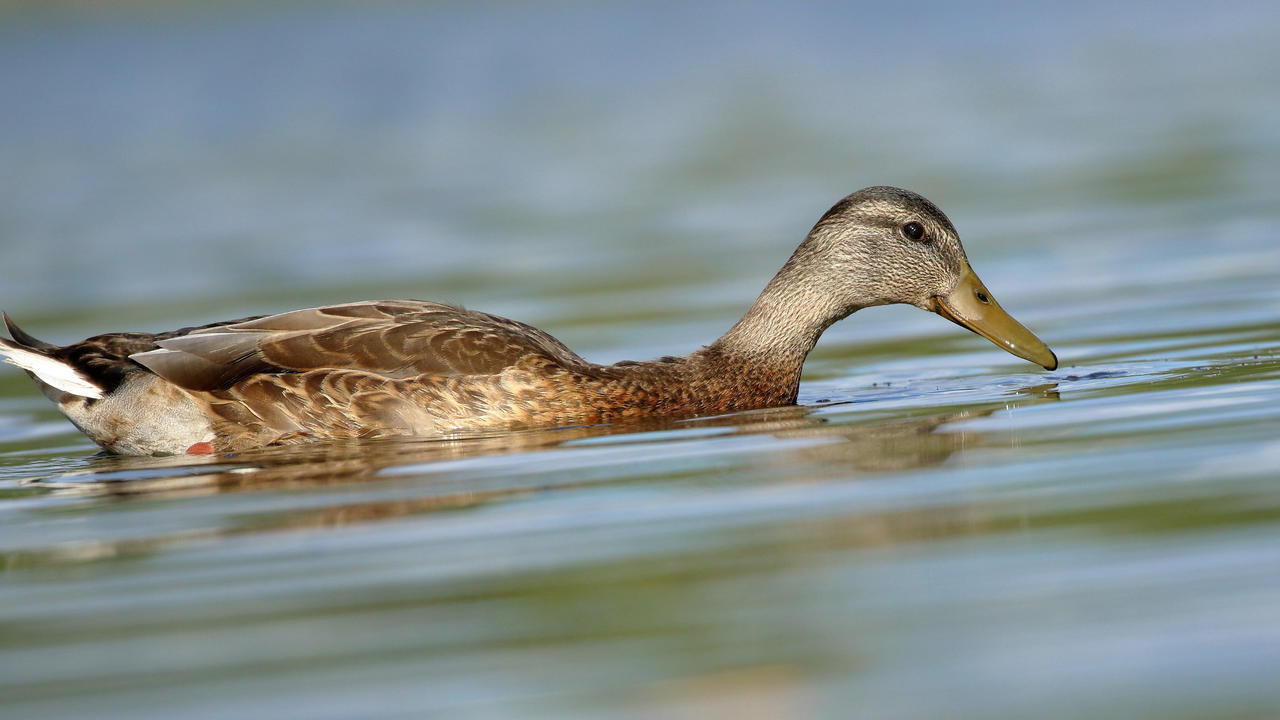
913,231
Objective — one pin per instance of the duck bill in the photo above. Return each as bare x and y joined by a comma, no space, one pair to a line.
970,306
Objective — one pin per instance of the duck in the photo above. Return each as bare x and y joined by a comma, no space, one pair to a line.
409,368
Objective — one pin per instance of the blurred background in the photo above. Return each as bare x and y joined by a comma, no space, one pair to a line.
165,159
948,532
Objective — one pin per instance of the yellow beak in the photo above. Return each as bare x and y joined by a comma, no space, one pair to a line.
969,305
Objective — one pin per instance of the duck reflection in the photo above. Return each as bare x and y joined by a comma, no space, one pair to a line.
811,440
392,479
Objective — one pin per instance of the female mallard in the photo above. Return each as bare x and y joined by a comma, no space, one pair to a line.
409,368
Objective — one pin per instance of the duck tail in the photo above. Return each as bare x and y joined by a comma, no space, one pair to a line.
37,358
23,338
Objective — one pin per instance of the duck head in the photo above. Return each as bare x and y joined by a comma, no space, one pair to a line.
886,245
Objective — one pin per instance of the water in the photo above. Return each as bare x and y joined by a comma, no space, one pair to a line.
939,529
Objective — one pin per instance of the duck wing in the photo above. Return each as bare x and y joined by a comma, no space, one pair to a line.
392,338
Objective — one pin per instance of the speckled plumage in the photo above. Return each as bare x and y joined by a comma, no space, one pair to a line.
427,369
409,368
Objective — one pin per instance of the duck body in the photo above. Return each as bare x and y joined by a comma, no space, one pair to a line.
396,368
404,368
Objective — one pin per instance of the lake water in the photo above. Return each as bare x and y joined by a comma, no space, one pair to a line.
939,529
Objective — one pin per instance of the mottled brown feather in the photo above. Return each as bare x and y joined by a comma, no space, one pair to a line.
396,339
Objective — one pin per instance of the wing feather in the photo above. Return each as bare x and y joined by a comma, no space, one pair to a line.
396,339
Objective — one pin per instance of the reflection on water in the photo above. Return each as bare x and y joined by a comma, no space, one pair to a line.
445,479
939,530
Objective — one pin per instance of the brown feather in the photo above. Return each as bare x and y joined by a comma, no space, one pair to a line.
23,338
397,339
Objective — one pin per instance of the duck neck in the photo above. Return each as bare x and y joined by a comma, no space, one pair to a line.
785,322
757,363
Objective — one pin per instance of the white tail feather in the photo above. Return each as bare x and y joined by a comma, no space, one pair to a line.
51,372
